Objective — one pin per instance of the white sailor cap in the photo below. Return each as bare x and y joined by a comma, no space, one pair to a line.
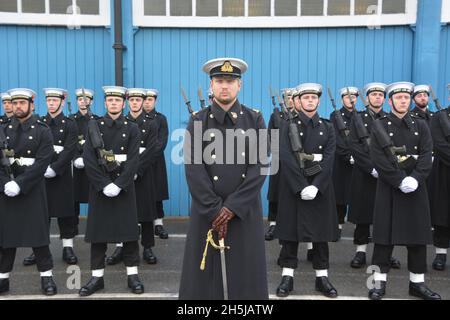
5,96
55,92
225,67
288,92
353,91
375,87
398,87
421,88
22,93
89,93
115,91
152,93
308,88
136,92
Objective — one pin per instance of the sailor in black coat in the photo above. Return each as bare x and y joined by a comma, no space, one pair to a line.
159,164
23,200
440,189
402,212
7,108
421,97
112,216
276,119
343,163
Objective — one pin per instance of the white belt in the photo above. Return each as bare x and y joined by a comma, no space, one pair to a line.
22,161
141,150
81,142
317,157
120,157
58,149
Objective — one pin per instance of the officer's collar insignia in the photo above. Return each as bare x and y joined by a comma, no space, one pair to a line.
227,67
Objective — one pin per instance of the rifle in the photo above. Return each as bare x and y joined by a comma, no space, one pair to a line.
442,116
339,120
105,158
361,131
187,102
276,112
5,154
200,97
69,103
297,146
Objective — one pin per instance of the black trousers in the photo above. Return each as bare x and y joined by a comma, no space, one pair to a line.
44,260
159,209
417,258
273,210
130,253
362,234
441,237
288,255
68,227
147,234
341,212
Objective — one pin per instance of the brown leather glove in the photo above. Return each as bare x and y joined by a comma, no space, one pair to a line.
222,217
222,232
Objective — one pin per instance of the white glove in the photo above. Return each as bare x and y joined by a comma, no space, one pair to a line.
12,189
111,190
50,173
374,173
408,185
309,193
79,163
135,177
318,157
352,161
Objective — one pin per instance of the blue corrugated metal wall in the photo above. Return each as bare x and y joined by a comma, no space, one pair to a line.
444,65
168,58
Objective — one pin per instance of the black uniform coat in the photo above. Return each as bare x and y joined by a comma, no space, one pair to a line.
113,220
272,192
440,175
60,188
425,115
363,184
307,220
342,171
399,218
159,164
237,187
4,119
80,179
145,183
24,219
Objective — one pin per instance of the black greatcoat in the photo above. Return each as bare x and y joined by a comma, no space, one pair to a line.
145,183
60,188
307,220
214,184
80,179
274,180
342,172
159,164
24,219
113,220
440,175
402,218
363,184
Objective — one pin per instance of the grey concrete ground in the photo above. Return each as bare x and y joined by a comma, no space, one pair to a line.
162,280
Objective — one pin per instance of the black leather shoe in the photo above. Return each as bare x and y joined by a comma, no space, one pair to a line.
269,234
69,255
285,287
148,256
395,263
30,260
420,290
323,285
116,257
378,294
339,234
309,255
4,285
161,232
48,286
359,260
135,284
95,284
439,262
